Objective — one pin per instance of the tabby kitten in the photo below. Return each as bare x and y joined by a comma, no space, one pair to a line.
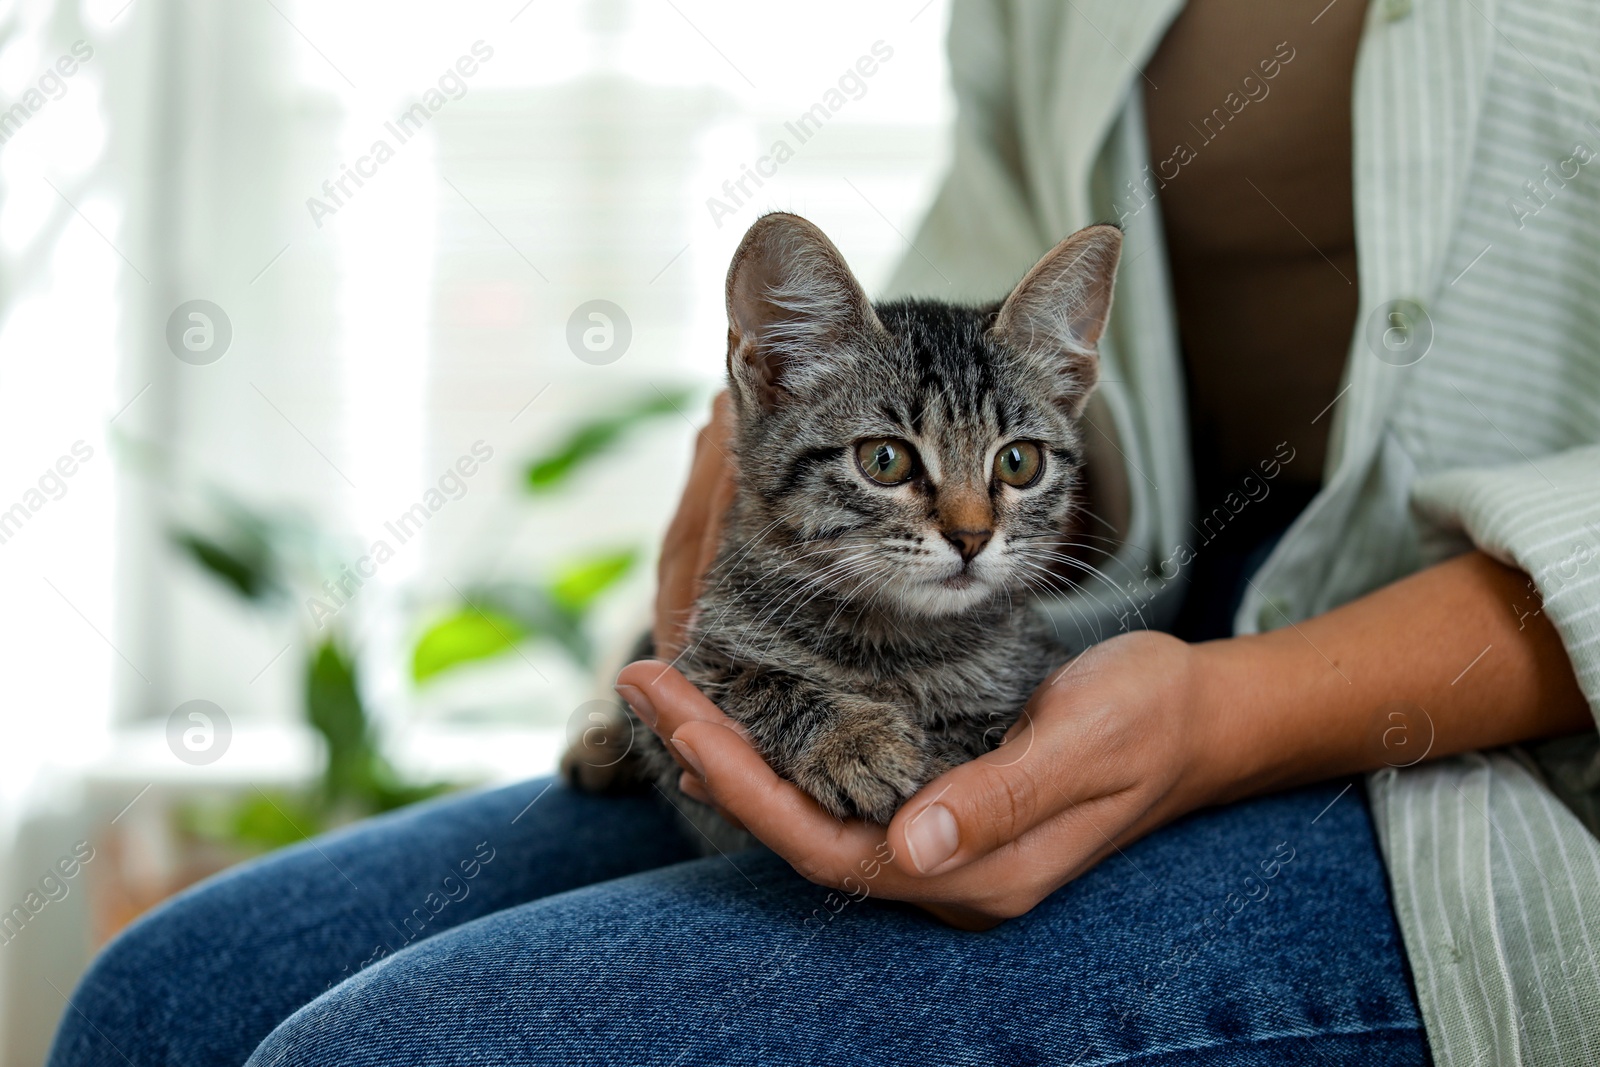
905,472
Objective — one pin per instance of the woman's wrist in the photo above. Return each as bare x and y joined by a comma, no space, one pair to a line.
1430,666
1257,701
1222,757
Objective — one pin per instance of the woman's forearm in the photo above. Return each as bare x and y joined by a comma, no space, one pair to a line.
1454,658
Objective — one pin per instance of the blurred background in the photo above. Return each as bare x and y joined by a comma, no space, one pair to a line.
350,358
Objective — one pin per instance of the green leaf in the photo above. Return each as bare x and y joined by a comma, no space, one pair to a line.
468,634
577,584
275,822
537,611
333,705
597,436
247,567
257,822
387,790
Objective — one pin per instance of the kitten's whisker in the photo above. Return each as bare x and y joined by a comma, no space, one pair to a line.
1075,562
1091,568
748,545
820,580
823,582
1079,587
844,603
715,625
1035,584
1050,585
1074,544
1074,610
1097,518
882,585
1108,549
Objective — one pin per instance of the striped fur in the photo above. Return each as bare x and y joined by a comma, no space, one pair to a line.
840,625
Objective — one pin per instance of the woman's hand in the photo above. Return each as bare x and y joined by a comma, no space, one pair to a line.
1134,733
690,545
1143,728
1109,748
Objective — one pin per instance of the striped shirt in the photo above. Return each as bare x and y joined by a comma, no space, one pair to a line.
1469,416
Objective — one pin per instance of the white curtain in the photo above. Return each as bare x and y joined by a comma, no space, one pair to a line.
539,156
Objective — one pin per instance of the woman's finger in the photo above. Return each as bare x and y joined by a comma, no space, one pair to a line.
727,772
664,699
716,439
787,820
650,688
697,521
972,810
693,788
962,918
738,781
855,857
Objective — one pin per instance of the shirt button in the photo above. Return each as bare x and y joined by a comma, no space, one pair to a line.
1399,332
1395,10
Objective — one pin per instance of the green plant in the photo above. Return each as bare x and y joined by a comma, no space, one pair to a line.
495,617
275,560
263,558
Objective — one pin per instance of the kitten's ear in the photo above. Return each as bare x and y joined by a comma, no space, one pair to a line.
1058,311
792,302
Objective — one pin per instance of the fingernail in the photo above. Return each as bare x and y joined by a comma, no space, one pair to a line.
635,699
692,787
690,758
932,837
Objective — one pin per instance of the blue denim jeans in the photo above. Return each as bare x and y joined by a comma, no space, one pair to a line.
536,925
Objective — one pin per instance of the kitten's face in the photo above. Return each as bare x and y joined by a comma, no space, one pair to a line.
919,457
930,471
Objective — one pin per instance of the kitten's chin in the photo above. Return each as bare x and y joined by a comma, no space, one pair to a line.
944,597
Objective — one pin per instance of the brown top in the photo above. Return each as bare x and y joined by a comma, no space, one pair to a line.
1249,128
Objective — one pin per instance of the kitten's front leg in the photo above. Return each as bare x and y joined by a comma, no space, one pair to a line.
859,758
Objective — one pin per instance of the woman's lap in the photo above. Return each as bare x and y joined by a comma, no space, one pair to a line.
208,975
590,937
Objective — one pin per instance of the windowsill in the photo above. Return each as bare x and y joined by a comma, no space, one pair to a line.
286,755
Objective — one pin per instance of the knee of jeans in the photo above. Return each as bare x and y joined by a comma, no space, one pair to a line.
114,1013
318,1034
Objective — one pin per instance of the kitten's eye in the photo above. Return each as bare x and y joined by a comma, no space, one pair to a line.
1019,464
886,460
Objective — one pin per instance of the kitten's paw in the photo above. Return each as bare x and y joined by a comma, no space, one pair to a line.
865,767
602,753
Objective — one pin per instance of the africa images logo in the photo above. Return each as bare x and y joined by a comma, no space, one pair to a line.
851,85
451,85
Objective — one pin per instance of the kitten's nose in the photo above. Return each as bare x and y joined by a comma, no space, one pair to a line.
968,542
